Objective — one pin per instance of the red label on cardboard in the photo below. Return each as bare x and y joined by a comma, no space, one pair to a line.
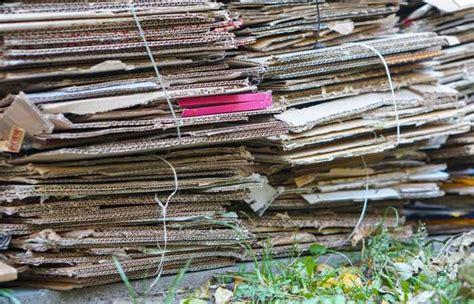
15,140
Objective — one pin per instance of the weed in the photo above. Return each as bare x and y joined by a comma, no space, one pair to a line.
388,270
135,298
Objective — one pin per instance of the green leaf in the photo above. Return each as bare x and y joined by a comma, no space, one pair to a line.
338,299
318,249
178,279
309,264
193,301
131,291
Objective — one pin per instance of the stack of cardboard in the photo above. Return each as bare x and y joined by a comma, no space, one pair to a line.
455,20
454,67
93,140
91,209
340,109
86,76
47,46
58,135
289,26
91,147
453,213
321,198
365,124
69,210
350,69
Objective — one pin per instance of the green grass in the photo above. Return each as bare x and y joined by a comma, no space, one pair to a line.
387,270
137,298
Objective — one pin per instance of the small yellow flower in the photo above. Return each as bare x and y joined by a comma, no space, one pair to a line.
350,280
329,283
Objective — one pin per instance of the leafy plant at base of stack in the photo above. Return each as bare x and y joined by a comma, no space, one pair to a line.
387,270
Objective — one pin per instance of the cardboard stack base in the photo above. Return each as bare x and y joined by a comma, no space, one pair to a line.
68,219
